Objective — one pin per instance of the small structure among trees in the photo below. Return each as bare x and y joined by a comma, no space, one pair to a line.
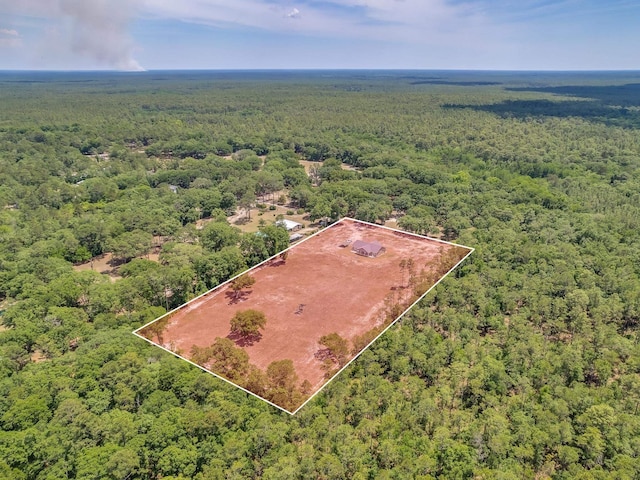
289,225
295,237
367,249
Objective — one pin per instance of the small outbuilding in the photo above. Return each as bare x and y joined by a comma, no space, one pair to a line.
367,249
290,225
295,237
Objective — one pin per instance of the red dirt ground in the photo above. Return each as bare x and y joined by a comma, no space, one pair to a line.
342,292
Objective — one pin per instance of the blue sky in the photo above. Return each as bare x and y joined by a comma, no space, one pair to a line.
262,34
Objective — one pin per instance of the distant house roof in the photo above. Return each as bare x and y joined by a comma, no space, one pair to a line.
369,249
289,224
295,236
173,188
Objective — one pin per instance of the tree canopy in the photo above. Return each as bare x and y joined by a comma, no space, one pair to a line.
522,363
248,323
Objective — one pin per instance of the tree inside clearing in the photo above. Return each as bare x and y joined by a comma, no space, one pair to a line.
246,325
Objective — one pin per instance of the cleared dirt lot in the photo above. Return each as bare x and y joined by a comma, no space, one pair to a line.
341,292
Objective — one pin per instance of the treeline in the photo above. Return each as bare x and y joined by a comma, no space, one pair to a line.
278,384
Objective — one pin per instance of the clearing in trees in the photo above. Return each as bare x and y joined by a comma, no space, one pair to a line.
283,329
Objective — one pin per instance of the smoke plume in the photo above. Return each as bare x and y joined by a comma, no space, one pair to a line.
100,30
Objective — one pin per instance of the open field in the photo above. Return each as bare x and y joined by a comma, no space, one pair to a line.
106,265
321,288
307,164
269,216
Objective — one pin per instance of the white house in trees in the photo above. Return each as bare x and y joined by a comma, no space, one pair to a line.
290,225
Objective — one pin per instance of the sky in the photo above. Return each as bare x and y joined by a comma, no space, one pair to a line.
320,34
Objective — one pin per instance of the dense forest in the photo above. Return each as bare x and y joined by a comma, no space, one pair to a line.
523,363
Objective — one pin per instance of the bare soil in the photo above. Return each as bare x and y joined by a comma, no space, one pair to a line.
319,289
37,356
308,164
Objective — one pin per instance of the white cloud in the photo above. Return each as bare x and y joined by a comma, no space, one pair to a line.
416,22
421,21
393,33
413,33
295,13
9,38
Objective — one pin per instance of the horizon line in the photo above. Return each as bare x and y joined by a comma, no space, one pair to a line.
319,69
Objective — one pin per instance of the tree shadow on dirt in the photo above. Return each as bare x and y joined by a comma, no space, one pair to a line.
244,340
241,221
323,355
115,262
329,363
277,263
237,297
398,287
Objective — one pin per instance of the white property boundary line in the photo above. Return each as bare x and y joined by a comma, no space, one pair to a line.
135,332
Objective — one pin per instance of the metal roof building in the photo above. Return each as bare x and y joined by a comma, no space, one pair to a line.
290,225
367,249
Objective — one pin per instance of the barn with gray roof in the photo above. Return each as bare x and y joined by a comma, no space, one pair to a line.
367,249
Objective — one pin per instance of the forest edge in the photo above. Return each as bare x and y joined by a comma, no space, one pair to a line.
266,261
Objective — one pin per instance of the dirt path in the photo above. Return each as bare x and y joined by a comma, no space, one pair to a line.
101,264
